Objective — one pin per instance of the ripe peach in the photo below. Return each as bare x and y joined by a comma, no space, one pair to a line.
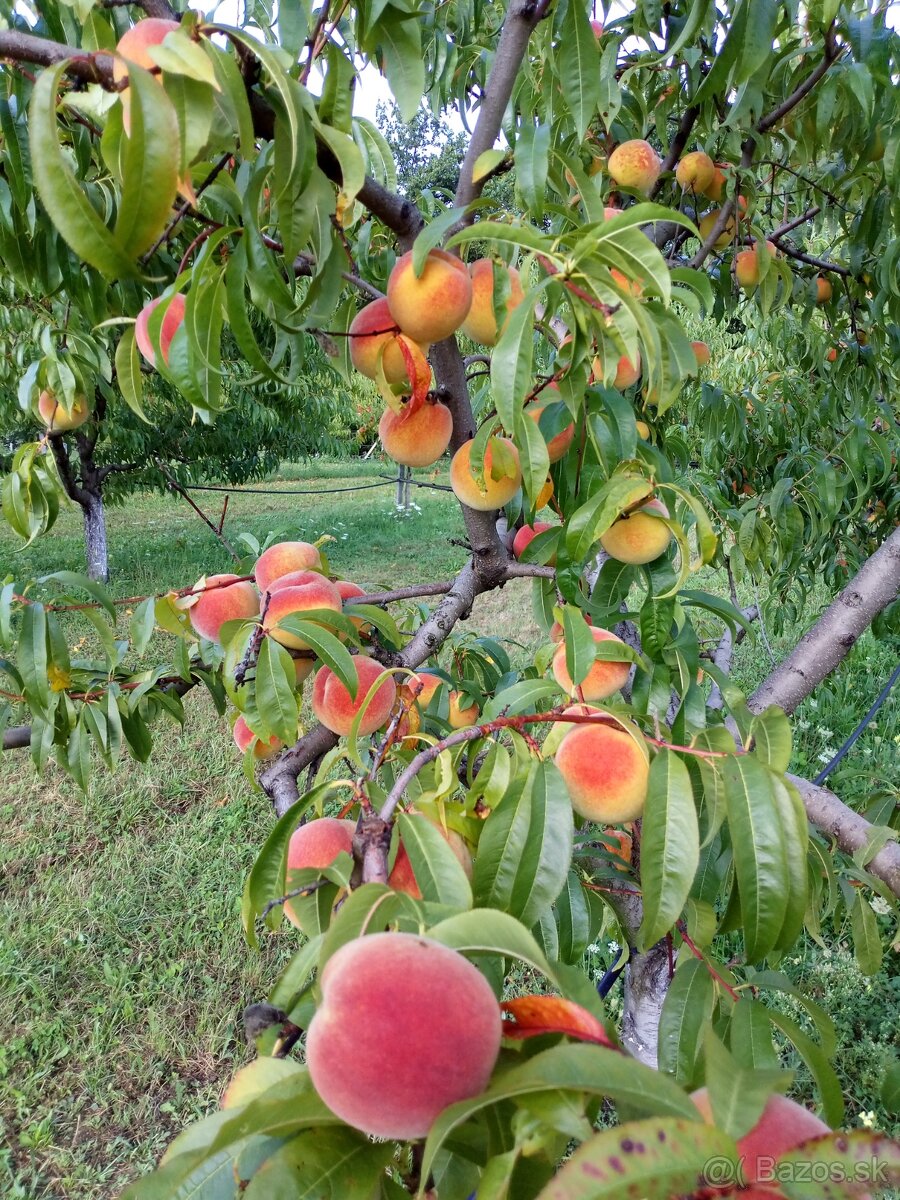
282,558
606,772
244,737
431,1038
556,630
303,668
637,538
824,290
349,591
526,535
643,430
560,442
333,706
459,717
481,323
706,227
696,171
494,493
716,187
315,844
701,353
302,598
57,417
627,372
597,27
635,164
430,684
620,843
402,877
433,305
783,1126
416,439
294,579
132,48
746,269
170,323
372,328
832,354
610,211
602,680
220,604
633,286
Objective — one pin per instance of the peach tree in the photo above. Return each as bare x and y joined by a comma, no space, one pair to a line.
453,819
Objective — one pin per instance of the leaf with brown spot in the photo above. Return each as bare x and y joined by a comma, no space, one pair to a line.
868,1162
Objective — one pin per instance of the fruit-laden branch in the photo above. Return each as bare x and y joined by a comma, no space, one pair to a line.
763,125
822,263
679,141
836,632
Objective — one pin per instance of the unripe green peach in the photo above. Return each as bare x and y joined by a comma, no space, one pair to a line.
405,1028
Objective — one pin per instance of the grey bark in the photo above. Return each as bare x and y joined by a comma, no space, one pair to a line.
95,546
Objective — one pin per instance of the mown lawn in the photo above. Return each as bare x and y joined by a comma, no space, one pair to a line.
123,971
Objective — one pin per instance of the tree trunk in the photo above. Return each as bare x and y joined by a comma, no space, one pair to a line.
95,537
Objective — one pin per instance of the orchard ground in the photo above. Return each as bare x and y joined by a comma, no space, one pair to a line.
122,967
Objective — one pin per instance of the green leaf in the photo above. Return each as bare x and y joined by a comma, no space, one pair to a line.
436,868
737,1094
149,168
432,235
61,193
820,1170
486,162
526,696
128,373
890,1088
178,54
323,1162
866,939
760,865
581,649
532,165
578,58
72,579
487,931
32,656
276,700
610,500
686,1013
142,624
670,846
398,33
654,1159
327,647
525,847
512,358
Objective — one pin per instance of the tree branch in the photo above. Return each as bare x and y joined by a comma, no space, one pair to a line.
679,141
64,466
835,633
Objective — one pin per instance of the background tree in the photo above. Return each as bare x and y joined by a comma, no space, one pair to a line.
288,209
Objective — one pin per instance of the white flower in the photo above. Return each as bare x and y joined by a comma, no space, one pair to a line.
826,757
867,1119
826,733
614,947
813,704
881,906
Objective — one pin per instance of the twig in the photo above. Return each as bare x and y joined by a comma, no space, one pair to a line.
682,929
176,487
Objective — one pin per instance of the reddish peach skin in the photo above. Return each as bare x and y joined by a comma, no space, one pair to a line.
244,737
604,678
333,706
430,684
459,717
416,439
560,442
627,372
57,417
303,667
635,164
294,579
481,323
432,306
170,324
365,344
620,843
402,877
824,290
783,1126
315,844
638,538
526,535
606,773
132,48
349,591
283,557
696,171
496,492
701,353
221,604
433,1030
289,601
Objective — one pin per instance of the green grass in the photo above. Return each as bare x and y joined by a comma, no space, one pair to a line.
123,971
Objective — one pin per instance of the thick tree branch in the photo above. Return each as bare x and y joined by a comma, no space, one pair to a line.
60,451
87,68
795,223
835,633
822,263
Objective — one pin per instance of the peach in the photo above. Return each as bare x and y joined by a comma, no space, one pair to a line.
597,27
526,535
132,48
783,1126
603,679
244,738
433,305
170,323
610,211
560,442
431,1038
333,706
620,843
696,171
643,430
606,772
493,493
315,845
627,372
402,877
706,228
482,323
458,716
283,557
637,537
430,684
824,290
372,328
289,601
556,630
57,417
294,579
832,354
416,439
716,187
633,286
635,164
303,668
746,269
217,605
701,353
350,591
